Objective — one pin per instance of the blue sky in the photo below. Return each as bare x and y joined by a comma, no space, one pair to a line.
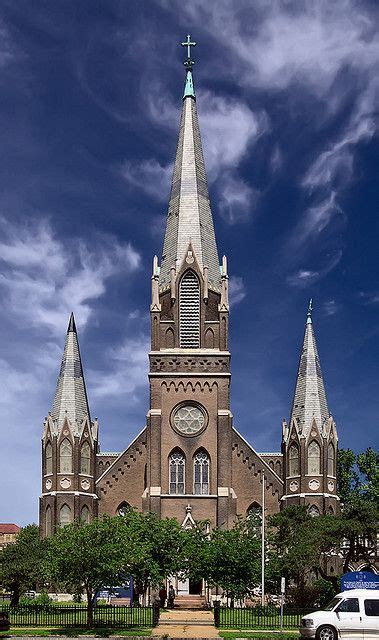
90,104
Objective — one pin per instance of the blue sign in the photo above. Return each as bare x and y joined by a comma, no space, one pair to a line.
123,591
359,580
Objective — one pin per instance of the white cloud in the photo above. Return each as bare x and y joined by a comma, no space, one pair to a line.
43,279
304,278
150,176
237,199
127,367
315,219
237,290
330,307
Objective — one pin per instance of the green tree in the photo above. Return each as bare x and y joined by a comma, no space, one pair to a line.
347,475
234,559
23,563
368,465
88,556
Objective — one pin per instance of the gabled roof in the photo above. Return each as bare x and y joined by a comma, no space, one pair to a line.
189,216
70,398
310,398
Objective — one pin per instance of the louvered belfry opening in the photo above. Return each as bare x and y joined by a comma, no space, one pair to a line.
189,311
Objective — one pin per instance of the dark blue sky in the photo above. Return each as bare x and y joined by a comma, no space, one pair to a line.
90,97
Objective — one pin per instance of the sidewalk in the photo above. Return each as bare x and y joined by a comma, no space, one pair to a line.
186,623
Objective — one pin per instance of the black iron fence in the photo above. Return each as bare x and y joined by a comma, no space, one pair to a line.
76,616
257,617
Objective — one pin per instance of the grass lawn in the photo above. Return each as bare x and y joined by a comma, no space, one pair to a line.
260,635
52,631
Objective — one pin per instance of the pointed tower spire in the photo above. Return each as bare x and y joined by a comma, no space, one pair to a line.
189,213
310,399
70,398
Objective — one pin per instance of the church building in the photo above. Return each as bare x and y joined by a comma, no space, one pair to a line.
189,461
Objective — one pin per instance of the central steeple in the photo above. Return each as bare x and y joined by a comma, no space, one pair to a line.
189,219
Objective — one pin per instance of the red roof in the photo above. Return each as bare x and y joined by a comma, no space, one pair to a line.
9,528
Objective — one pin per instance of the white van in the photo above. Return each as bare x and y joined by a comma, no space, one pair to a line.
351,614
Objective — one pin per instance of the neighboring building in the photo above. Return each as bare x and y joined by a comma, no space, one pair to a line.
8,533
189,462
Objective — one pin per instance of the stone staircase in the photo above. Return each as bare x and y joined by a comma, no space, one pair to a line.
190,602
186,623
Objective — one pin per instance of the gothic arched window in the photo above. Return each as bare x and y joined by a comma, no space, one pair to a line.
331,510
123,508
201,473
331,471
65,517
254,512
293,460
177,471
84,514
48,521
85,458
65,456
314,458
48,458
189,310
314,511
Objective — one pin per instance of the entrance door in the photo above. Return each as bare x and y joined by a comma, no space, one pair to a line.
183,587
195,587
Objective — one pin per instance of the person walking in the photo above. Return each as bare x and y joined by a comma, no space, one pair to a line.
162,595
171,597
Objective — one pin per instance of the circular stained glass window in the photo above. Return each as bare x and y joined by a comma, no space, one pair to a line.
188,419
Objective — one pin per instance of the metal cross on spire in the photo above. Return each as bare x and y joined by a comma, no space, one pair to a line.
310,309
189,62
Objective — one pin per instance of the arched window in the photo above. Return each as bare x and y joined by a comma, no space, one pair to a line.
48,521
201,473
293,460
314,458
331,471
254,512
85,458
331,510
48,458
65,515
314,511
65,456
177,470
84,514
189,310
123,508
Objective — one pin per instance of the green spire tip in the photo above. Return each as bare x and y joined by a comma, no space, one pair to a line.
189,90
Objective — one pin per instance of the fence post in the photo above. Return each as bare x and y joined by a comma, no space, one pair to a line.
155,613
216,610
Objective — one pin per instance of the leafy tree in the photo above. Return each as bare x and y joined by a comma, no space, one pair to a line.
347,475
234,559
87,555
368,465
23,563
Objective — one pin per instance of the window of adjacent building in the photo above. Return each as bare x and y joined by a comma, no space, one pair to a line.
331,460
350,605
314,511
123,508
254,515
48,521
65,456
314,458
49,458
85,458
84,514
293,457
65,517
371,607
201,473
177,470
189,310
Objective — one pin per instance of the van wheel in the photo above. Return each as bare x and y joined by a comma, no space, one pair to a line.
326,633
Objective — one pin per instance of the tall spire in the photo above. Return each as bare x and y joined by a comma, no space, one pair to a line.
310,399
189,212
70,398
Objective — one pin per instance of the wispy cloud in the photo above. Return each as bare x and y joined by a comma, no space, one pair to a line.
237,199
149,176
44,278
330,307
237,290
304,278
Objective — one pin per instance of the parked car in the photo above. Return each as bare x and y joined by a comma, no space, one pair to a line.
4,621
351,614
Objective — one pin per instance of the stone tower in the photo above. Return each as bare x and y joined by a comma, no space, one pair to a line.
309,441
69,447
189,424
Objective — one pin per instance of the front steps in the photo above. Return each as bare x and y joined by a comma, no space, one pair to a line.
189,601
186,623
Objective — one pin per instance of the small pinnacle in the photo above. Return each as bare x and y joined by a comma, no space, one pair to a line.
309,313
71,324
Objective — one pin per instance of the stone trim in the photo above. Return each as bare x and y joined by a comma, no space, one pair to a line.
304,495
155,491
